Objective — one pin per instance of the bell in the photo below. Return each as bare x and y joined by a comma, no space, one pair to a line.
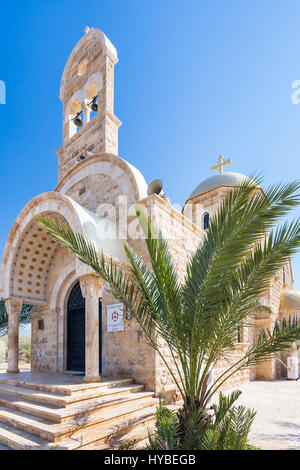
77,120
94,105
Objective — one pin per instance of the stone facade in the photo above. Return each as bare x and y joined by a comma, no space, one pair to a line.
96,195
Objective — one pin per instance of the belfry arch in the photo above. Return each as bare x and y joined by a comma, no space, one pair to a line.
89,74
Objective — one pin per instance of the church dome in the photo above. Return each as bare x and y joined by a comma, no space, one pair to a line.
290,299
223,179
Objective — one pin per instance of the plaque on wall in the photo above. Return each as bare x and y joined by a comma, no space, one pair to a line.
115,318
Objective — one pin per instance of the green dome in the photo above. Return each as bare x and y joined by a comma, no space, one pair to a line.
223,179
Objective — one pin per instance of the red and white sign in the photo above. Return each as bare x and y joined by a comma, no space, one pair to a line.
115,318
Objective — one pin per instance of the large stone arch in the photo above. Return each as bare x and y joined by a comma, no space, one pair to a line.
119,177
29,250
30,253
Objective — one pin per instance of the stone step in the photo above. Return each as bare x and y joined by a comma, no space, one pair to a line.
61,400
86,438
107,403
19,440
136,439
54,432
66,389
142,443
73,411
22,422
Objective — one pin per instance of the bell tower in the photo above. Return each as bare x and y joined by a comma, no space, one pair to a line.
87,92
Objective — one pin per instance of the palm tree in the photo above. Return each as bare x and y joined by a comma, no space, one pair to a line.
24,318
199,318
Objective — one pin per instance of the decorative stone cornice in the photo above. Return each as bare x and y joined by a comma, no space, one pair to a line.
13,306
91,285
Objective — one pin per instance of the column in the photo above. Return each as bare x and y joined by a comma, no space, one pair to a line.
91,287
14,309
86,111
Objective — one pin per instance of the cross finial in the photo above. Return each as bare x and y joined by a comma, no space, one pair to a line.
221,163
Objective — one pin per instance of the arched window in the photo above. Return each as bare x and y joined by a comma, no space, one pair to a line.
91,97
206,221
75,117
283,276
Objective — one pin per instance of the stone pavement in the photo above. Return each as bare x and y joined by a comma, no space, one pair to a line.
277,422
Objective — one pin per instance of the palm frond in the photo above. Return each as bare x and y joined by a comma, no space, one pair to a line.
197,320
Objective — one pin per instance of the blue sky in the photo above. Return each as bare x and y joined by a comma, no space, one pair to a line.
195,79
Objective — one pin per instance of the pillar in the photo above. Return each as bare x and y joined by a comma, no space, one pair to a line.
14,309
86,111
91,287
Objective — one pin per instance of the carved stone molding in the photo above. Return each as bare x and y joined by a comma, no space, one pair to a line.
91,286
13,306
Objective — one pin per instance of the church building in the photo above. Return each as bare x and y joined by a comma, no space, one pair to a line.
77,327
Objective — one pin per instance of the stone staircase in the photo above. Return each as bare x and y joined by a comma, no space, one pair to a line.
108,415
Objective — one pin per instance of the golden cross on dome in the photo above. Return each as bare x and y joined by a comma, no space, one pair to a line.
221,163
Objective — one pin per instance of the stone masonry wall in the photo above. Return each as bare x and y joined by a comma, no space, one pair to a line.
183,239
100,135
44,341
126,353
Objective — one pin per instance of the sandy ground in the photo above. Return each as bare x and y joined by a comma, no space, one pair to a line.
277,422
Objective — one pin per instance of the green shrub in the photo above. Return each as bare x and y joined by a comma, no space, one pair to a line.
224,427
3,349
167,430
25,347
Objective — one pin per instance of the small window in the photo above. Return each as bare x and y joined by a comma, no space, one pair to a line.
41,325
82,67
206,221
75,117
91,99
283,276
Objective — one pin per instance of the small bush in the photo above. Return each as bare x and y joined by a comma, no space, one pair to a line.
25,348
224,427
166,435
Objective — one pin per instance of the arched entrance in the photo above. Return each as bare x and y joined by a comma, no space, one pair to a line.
76,331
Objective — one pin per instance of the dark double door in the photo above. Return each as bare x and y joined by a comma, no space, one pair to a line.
76,331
